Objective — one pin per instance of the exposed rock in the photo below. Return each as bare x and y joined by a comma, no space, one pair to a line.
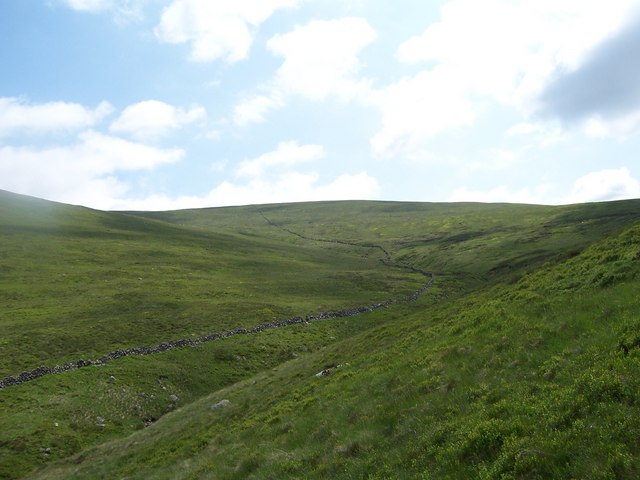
174,398
220,404
327,371
324,373
149,421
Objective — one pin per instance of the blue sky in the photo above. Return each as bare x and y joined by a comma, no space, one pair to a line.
166,104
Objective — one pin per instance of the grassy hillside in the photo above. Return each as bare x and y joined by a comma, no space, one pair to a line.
521,362
466,240
77,283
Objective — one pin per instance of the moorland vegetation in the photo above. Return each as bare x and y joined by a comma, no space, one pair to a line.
520,361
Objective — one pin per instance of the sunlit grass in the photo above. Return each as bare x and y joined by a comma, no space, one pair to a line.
521,362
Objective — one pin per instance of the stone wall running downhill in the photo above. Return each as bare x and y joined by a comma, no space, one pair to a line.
42,370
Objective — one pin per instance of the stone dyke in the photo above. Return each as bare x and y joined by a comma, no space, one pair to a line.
42,370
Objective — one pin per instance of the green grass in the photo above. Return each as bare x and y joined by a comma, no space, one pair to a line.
521,362
76,283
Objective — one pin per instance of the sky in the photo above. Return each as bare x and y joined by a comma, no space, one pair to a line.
170,104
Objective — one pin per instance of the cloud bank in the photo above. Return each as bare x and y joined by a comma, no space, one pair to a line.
506,52
605,87
286,187
320,60
609,184
599,186
287,154
82,173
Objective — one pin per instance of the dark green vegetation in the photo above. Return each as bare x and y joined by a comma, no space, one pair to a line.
521,362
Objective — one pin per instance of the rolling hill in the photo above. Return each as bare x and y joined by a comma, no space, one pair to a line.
519,361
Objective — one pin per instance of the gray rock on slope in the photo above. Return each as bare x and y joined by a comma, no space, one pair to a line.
220,404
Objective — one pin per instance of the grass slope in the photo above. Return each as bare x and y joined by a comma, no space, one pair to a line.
463,241
519,364
77,283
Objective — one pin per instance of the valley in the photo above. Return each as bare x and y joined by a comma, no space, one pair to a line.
518,361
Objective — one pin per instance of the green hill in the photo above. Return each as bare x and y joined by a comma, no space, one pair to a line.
521,361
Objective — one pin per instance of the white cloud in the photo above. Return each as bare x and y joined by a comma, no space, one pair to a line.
600,186
320,60
544,134
504,51
549,133
525,128
502,194
418,108
286,155
621,127
289,187
481,43
152,119
17,116
84,173
611,184
494,160
216,29
507,49
254,109
269,179
295,187
123,10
